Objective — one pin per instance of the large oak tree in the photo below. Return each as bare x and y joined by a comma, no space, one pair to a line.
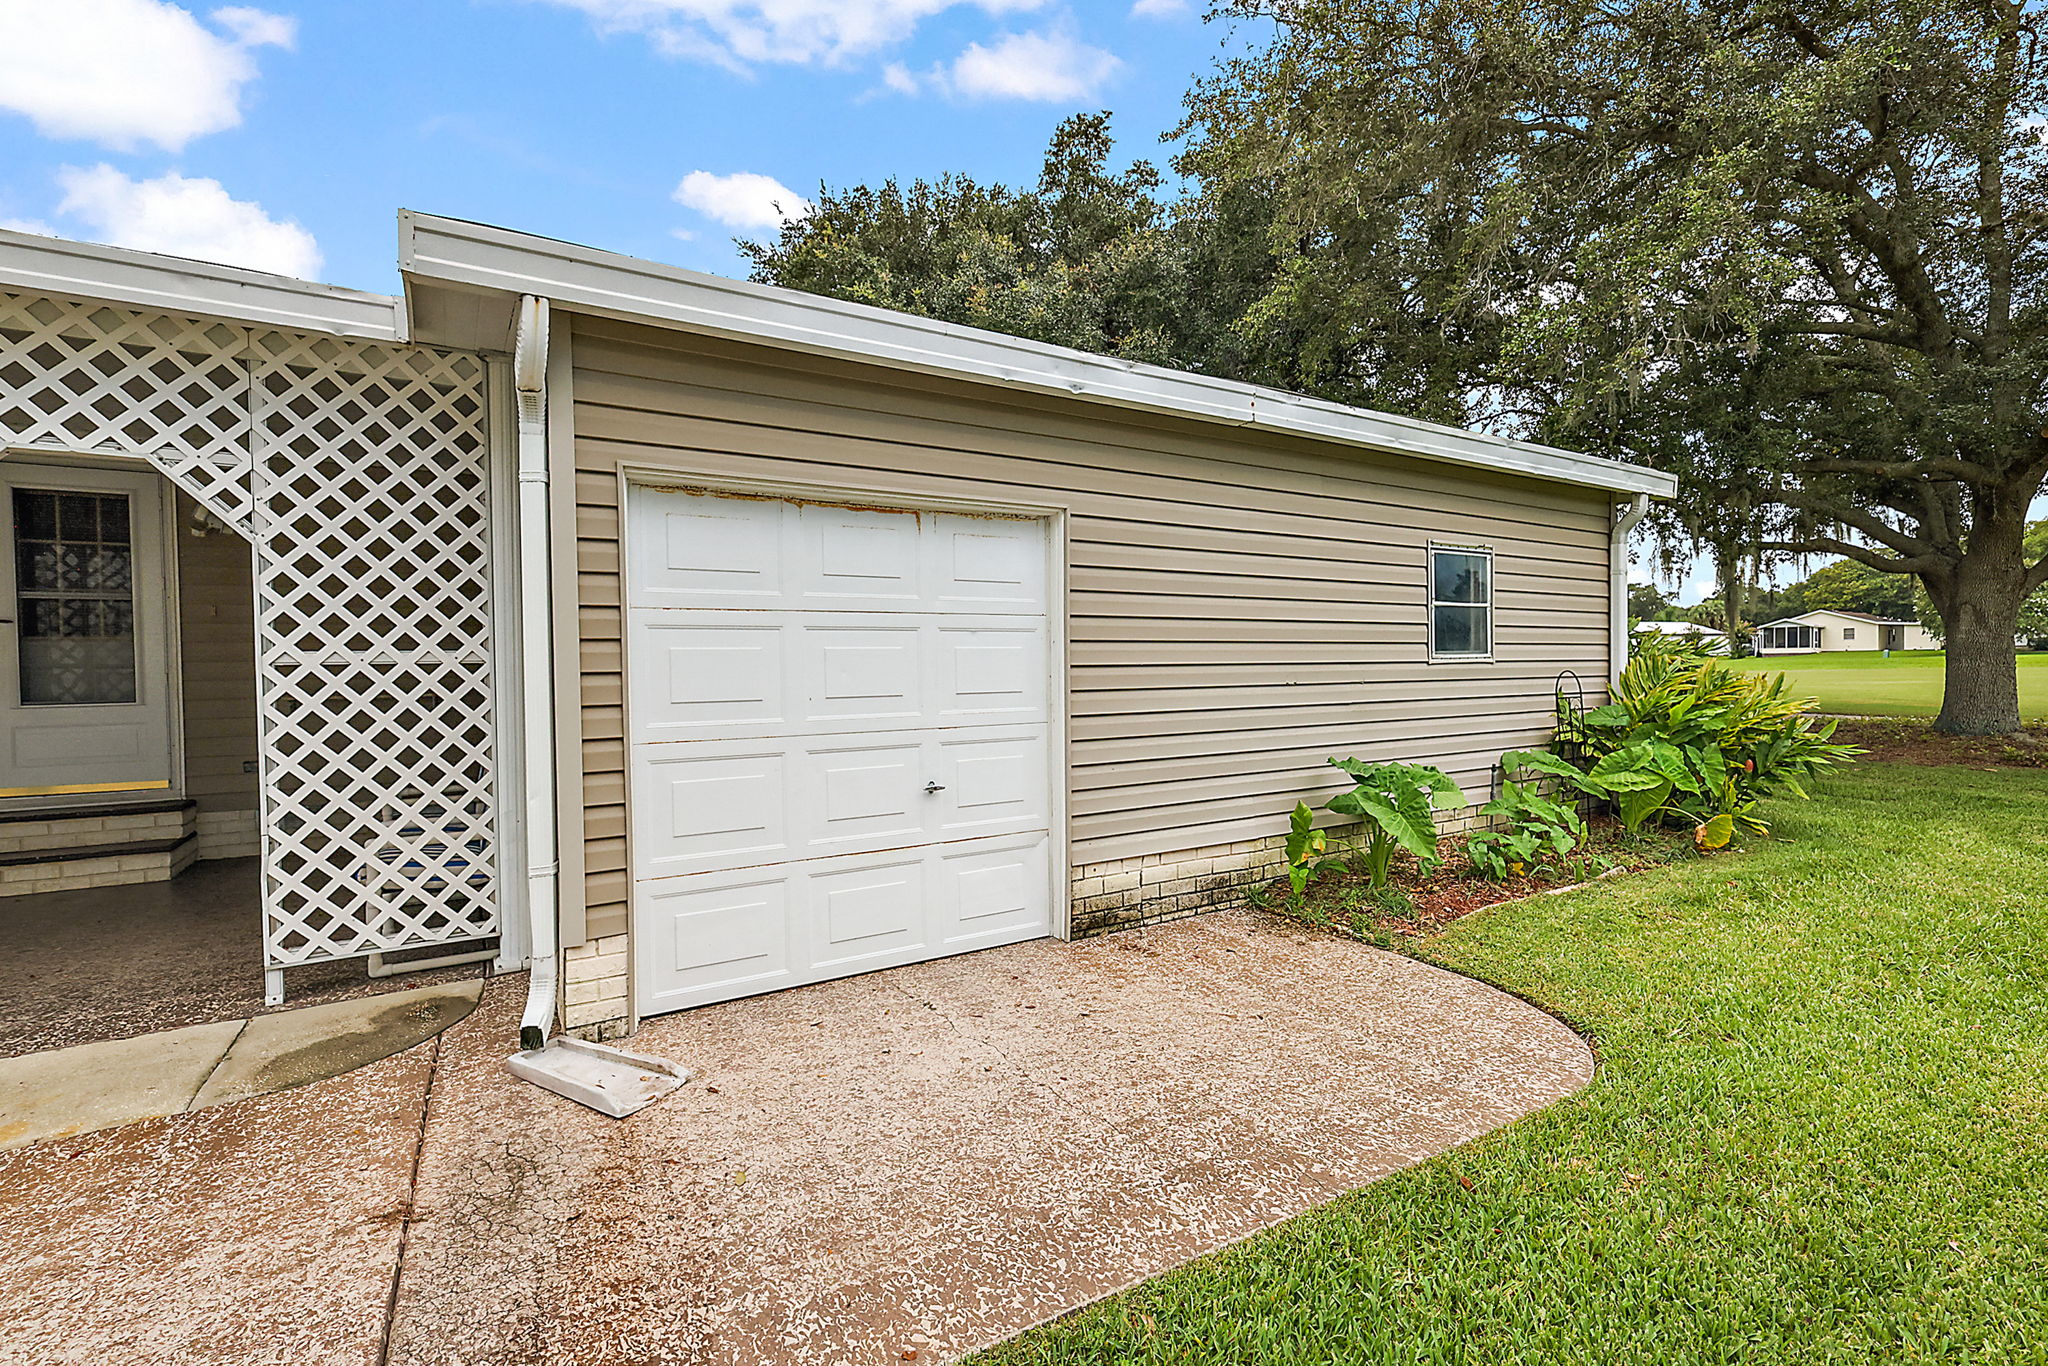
1797,250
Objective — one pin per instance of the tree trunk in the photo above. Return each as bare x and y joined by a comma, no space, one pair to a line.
1730,568
1979,602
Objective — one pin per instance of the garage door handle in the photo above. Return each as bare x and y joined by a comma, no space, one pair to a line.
934,787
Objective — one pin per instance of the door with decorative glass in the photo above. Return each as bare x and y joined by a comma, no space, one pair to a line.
86,684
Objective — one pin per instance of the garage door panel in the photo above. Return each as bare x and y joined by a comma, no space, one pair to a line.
707,551
857,559
702,940
991,893
993,781
988,564
988,673
718,805
710,811
696,675
692,677
870,915
861,673
869,795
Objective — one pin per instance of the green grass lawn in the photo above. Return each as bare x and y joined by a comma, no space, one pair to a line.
1819,1131
1907,684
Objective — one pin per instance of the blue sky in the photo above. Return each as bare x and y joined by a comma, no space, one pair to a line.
285,135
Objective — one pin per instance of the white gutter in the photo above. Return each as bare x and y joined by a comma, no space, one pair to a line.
477,257
142,279
1626,516
537,670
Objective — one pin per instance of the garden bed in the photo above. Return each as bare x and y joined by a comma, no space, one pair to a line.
1416,904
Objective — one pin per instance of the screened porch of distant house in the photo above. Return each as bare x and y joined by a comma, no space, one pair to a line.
1789,638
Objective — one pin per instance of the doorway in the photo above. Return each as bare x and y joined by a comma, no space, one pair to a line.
87,685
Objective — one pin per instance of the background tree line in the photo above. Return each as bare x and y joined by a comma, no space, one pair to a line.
1797,255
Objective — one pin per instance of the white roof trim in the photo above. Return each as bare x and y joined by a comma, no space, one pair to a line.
115,275
599,282
1853,618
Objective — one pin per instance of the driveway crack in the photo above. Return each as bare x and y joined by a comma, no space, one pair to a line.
412,1195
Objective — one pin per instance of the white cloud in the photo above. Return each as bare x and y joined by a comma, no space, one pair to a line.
185,217
1159,9
260,28
1054,67
36,226
739,33
741,200
129,72
898,78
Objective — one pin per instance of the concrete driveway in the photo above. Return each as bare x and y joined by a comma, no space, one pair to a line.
926,1159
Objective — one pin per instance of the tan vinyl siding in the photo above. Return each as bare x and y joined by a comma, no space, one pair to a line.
1240,605
217,625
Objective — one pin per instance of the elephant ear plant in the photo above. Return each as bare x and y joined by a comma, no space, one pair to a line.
1396,806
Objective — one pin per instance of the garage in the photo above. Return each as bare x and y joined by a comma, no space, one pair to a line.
840,739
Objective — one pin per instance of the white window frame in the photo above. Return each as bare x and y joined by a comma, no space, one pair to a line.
1430,602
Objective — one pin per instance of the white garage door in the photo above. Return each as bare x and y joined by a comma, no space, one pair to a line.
838,740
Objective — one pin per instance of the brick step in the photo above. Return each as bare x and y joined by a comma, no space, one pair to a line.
96,810
103,823
75,867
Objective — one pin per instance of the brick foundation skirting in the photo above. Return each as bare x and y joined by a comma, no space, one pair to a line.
594,988
1127,894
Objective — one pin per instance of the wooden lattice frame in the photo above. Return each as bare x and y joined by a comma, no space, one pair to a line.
360,471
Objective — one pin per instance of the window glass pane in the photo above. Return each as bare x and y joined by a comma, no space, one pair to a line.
74,608
1461,631
1457,577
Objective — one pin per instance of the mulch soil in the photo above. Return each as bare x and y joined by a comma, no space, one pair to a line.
1344,901
1902,740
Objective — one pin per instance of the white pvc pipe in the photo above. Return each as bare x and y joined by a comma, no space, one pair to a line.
537,670
1626,515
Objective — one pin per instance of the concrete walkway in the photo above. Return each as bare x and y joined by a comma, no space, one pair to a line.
68,1091
926,1159
113,962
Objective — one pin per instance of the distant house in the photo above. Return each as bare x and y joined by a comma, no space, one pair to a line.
1827,630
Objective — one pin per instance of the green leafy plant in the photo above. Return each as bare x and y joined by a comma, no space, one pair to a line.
1396,806
1536,830
1502,854
1536,827
1690,740
1307,849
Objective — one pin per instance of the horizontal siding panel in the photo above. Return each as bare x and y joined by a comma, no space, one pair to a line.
1126,652
1235,678
608,918
643,373
1111,763
827,458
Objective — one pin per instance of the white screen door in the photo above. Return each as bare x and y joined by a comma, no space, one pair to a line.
84,649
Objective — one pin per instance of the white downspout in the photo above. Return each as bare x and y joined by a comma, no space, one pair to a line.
1626,515
537,669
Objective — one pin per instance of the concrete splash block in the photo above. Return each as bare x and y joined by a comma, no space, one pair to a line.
610,1081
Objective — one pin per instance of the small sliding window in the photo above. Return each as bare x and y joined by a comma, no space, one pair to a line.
1460,602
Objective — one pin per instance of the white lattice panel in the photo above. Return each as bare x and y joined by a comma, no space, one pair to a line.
360,471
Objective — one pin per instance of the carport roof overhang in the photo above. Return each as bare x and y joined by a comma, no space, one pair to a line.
461,278
34,264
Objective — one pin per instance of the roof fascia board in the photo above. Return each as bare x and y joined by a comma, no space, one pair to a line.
115,275
604,283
